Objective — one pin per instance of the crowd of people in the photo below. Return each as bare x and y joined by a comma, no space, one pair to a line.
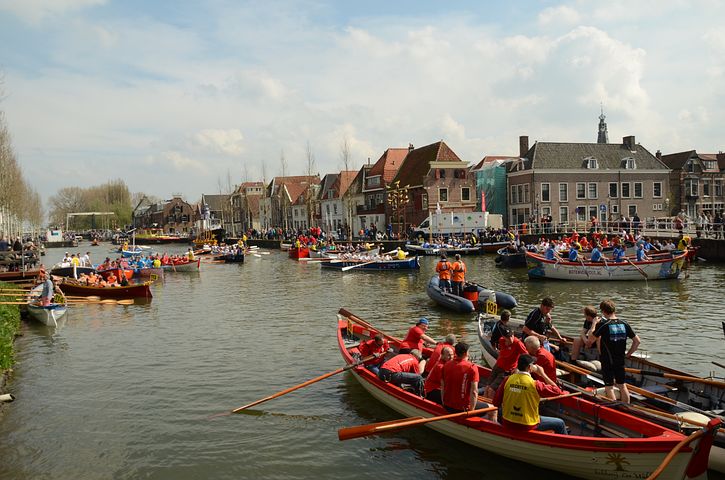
525,369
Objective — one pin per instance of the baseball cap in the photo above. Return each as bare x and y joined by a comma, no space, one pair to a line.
423,321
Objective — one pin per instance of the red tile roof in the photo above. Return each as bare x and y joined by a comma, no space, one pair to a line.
417,163
344,180
388,164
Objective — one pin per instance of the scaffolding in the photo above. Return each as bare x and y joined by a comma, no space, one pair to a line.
87,214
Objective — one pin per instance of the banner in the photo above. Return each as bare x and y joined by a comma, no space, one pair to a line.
483,201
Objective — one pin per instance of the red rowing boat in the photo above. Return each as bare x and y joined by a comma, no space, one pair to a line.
604,443
299,252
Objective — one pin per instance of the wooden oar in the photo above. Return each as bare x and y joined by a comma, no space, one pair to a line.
383,427
644,274
297,387
345,269
687,378
638,390
365,324
720,364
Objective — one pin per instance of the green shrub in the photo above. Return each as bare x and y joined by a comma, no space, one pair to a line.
9,325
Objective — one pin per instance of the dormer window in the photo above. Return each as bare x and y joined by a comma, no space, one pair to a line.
629,163
710,165
591,163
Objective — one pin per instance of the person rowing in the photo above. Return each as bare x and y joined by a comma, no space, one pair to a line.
416,337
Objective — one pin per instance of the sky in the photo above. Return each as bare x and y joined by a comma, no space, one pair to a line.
179,97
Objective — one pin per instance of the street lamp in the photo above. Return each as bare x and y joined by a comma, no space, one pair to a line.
398,199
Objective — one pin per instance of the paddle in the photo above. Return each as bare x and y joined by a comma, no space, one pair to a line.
644,274
365,324
297,387
719,364
345,269
584,267
383,427
687,378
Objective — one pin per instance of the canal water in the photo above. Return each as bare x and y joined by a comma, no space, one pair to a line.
125,392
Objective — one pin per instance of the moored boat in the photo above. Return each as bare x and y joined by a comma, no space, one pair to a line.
298,252
117,272
140,290
437,249
65,270
362,264
508,259
604,443
663,267
474,296
183,266
232,257
492,247
149,272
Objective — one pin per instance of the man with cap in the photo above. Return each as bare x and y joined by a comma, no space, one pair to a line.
518,398
443,268
538,323
458,276
415,337
404,369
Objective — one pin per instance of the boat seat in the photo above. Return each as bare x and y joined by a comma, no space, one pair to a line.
594,365
561,373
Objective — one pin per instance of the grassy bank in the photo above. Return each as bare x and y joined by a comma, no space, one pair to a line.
9,325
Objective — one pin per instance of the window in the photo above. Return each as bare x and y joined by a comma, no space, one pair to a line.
334,208
424,201
545,192
581,214
625,190
631,210
690,166
465,194
581,190
637,189
718,188
526,193
327,207
564,214
443,194
691,187
592,191
629,163
614,209
374,181
563,192
591,162
442,173
546,211
657,207
657,189
705,188
613,190
593,212
710,165
514,196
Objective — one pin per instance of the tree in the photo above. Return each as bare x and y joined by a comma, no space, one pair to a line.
345,158
311,197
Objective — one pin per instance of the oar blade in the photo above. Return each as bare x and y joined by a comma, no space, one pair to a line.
372,429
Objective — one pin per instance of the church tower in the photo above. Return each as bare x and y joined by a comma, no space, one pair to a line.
603,136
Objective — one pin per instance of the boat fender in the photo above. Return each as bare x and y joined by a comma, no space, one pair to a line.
504,300
7,397
588,365
685,417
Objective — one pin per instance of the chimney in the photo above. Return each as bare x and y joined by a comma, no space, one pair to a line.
523,145
629,143
410,147
720,156
658,155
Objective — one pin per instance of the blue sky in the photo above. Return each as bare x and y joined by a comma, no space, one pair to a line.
171,96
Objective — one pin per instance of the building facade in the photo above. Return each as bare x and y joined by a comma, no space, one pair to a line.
696,182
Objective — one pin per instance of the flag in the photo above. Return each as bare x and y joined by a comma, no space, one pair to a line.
483,201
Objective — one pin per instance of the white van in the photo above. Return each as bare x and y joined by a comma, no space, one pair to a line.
458,223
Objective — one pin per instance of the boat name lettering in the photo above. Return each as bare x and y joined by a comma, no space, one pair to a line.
603,473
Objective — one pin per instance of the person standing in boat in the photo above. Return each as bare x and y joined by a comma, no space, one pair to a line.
458,276
46,296
459,383
613,334
538,323
500,327
518,398
443,268
416,337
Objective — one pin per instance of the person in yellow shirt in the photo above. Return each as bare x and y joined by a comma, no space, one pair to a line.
400,255
190,254
518,398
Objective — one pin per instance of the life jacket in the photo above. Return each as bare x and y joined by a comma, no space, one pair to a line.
459,271
444,270
520,402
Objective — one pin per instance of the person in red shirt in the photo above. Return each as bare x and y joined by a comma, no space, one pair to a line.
415,337
543,357
433,380
375,346
509,349
459,383
404,369
450,342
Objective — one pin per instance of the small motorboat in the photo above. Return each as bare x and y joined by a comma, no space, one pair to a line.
475,296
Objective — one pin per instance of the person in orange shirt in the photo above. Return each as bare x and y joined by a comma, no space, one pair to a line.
444,269
458,276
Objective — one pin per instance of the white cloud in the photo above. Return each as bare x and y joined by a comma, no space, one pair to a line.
229,142
561,14
176,161
35,11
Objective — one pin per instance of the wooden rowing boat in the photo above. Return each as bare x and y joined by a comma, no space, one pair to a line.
117,272
49,314
140,290
661,268
362,264
183,266
604,443
703,395
298,252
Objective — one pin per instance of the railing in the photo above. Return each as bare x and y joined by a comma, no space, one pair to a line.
652,226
